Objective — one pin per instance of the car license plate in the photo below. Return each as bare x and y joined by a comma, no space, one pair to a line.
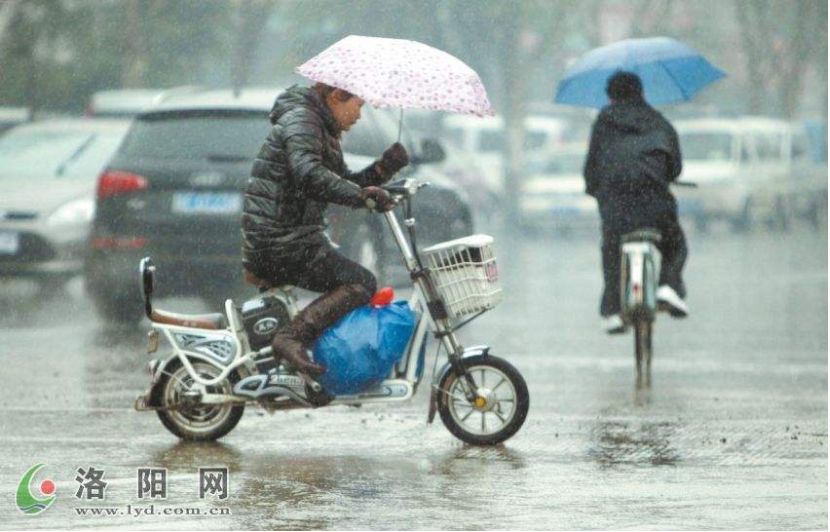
207,202
9,242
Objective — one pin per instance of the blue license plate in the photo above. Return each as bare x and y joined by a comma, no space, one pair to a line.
207,202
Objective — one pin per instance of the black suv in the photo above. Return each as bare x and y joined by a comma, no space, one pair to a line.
174,191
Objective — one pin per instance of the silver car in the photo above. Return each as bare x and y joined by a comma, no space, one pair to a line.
552,196
48,174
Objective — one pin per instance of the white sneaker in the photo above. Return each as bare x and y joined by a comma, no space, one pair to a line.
612,324
667,299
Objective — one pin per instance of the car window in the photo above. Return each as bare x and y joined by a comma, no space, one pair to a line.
491,140
57,153
706,146
455,136
534,140
800,147
197,136
768,146
566,164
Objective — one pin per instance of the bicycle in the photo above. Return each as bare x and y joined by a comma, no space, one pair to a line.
640,272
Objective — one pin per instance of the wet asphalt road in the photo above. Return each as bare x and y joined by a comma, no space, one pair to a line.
733,434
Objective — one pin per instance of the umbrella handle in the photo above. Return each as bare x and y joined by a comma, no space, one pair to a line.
400,124
688,184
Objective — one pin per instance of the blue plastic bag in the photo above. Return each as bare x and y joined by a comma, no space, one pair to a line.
360,349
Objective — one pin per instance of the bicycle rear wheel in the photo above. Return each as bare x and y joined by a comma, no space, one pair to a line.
643,329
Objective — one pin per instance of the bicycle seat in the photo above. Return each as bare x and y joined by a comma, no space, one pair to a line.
211,321
646,234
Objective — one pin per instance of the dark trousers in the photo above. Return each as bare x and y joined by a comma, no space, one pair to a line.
319,268
621,215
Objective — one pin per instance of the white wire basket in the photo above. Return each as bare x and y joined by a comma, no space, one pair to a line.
465,274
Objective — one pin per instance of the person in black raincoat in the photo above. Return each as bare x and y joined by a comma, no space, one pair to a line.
633,156
298,171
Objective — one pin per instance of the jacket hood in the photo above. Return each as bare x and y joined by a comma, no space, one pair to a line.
631,117
296,96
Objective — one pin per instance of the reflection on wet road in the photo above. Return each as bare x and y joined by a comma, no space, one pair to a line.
733,433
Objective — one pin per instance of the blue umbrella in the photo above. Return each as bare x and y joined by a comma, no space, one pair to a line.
670,71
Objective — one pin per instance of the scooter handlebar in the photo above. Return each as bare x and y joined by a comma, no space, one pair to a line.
402,188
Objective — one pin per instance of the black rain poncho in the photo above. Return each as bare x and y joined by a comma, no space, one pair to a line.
633,150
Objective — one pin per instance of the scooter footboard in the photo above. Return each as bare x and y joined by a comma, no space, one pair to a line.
388,390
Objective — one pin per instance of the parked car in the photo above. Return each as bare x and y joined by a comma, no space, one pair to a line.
806,191
486,138
174,191
552,196
126,103
48,174
12,116
461,165
442,209
746,169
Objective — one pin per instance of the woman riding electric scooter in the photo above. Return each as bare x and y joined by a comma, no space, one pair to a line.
298,171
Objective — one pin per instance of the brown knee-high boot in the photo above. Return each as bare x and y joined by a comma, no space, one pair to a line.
291,342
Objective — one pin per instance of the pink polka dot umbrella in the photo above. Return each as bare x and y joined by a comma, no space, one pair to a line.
399,73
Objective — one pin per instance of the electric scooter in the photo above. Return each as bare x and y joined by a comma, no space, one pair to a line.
220,363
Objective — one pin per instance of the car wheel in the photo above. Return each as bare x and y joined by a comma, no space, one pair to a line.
119,310
51,287
817,213
445,224
782,214
747,217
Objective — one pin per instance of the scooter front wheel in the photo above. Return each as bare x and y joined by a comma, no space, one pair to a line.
187,418
499,408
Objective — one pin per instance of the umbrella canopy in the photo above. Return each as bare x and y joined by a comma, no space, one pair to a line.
399,73
670,71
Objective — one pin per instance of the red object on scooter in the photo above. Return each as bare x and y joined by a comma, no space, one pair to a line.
383,297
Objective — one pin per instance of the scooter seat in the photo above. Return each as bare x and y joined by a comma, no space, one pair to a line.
211,321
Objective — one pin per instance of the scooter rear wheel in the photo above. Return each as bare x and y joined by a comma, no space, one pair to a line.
195,422
500,407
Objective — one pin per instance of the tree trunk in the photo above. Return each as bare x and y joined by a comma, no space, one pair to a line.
752,55
793,68
251,17
135,65
514,92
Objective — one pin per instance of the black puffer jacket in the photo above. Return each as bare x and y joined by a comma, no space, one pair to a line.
634,150
298,171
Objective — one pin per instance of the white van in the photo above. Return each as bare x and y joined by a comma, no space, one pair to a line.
744,168
486,138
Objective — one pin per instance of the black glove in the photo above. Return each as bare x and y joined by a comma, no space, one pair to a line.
377,199
392,160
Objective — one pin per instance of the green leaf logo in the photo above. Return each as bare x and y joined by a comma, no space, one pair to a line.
28,503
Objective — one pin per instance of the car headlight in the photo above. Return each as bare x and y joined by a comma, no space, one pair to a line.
78,211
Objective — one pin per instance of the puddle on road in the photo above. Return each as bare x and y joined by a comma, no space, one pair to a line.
616,442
